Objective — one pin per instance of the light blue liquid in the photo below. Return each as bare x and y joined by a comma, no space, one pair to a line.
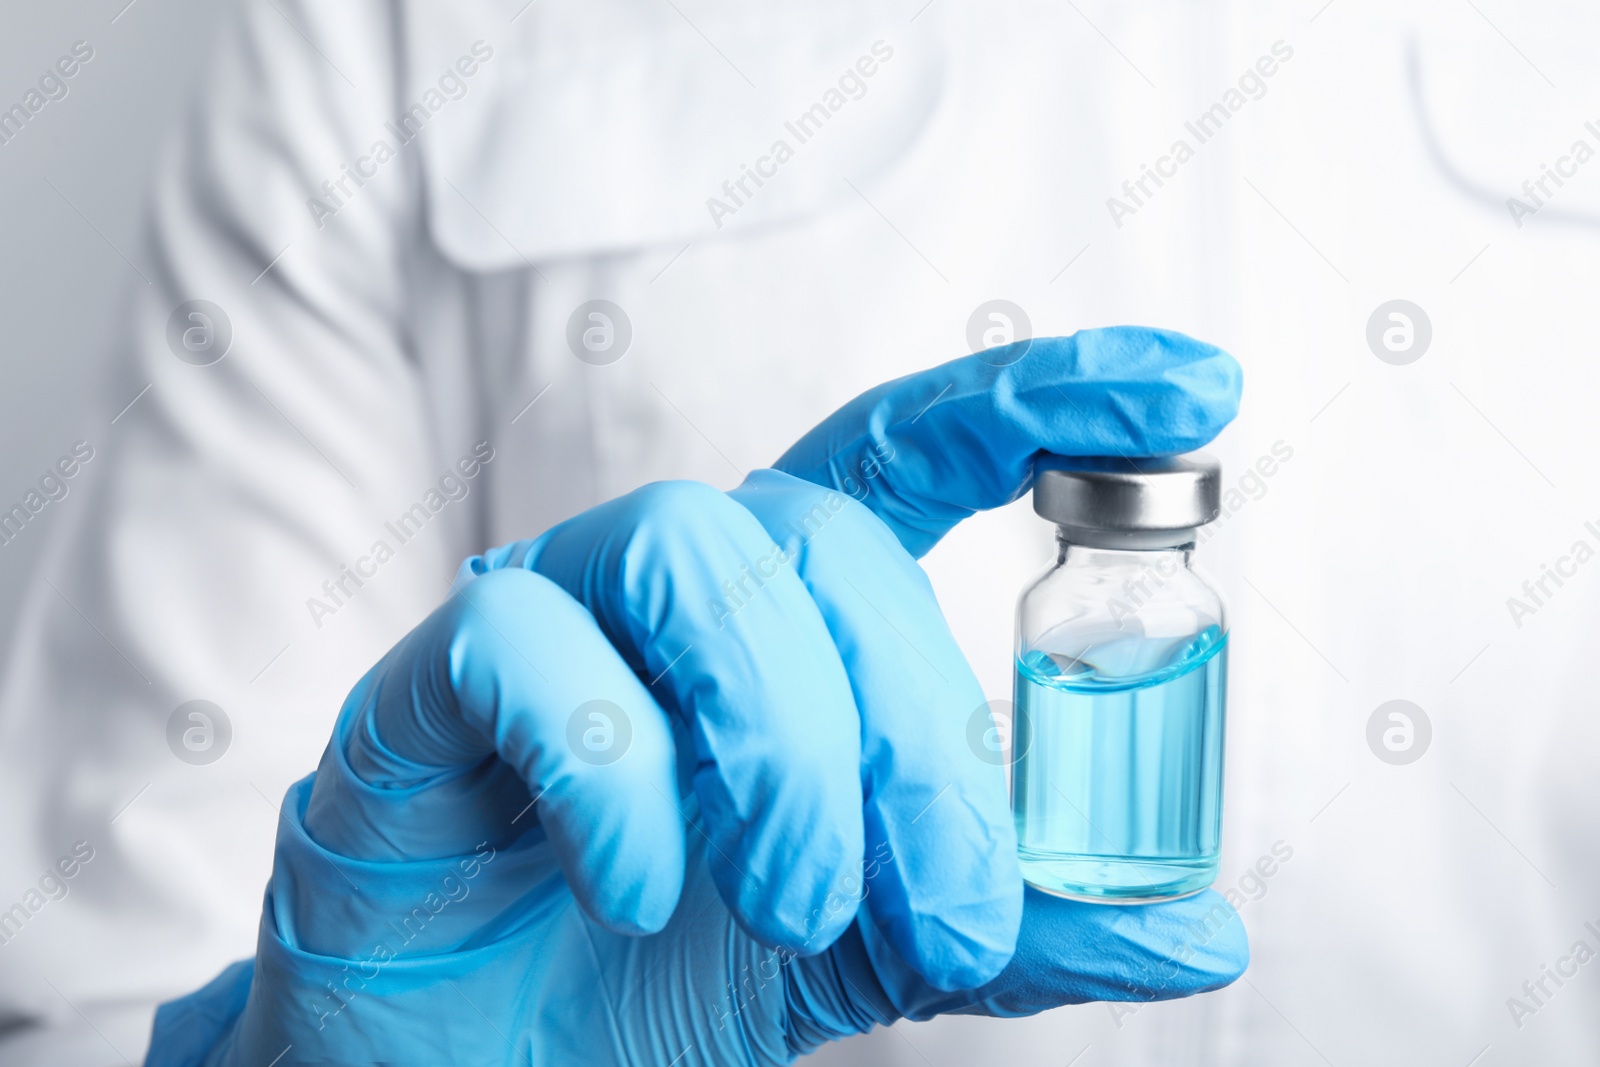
1118,790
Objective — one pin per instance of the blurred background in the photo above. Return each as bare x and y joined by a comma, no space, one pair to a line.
1374,233
79,179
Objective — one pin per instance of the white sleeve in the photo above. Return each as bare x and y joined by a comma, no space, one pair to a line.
192,545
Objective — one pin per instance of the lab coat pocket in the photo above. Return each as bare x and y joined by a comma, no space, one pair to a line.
602,127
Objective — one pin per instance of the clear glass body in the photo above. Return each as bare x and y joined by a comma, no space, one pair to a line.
1121,687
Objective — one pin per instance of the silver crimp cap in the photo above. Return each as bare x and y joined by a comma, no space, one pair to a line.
1114,502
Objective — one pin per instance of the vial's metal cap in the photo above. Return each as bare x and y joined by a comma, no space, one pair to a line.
1107,502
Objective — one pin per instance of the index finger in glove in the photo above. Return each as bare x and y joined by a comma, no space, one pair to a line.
927,450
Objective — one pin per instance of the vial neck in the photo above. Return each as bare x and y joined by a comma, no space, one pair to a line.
1070,550
1128,540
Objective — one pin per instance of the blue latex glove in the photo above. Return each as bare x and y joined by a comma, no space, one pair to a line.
686,779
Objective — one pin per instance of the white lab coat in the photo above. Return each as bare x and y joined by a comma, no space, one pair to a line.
379,336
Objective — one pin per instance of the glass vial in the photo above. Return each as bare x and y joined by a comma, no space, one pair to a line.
1121,678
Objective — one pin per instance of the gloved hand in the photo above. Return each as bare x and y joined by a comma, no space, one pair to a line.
686,780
